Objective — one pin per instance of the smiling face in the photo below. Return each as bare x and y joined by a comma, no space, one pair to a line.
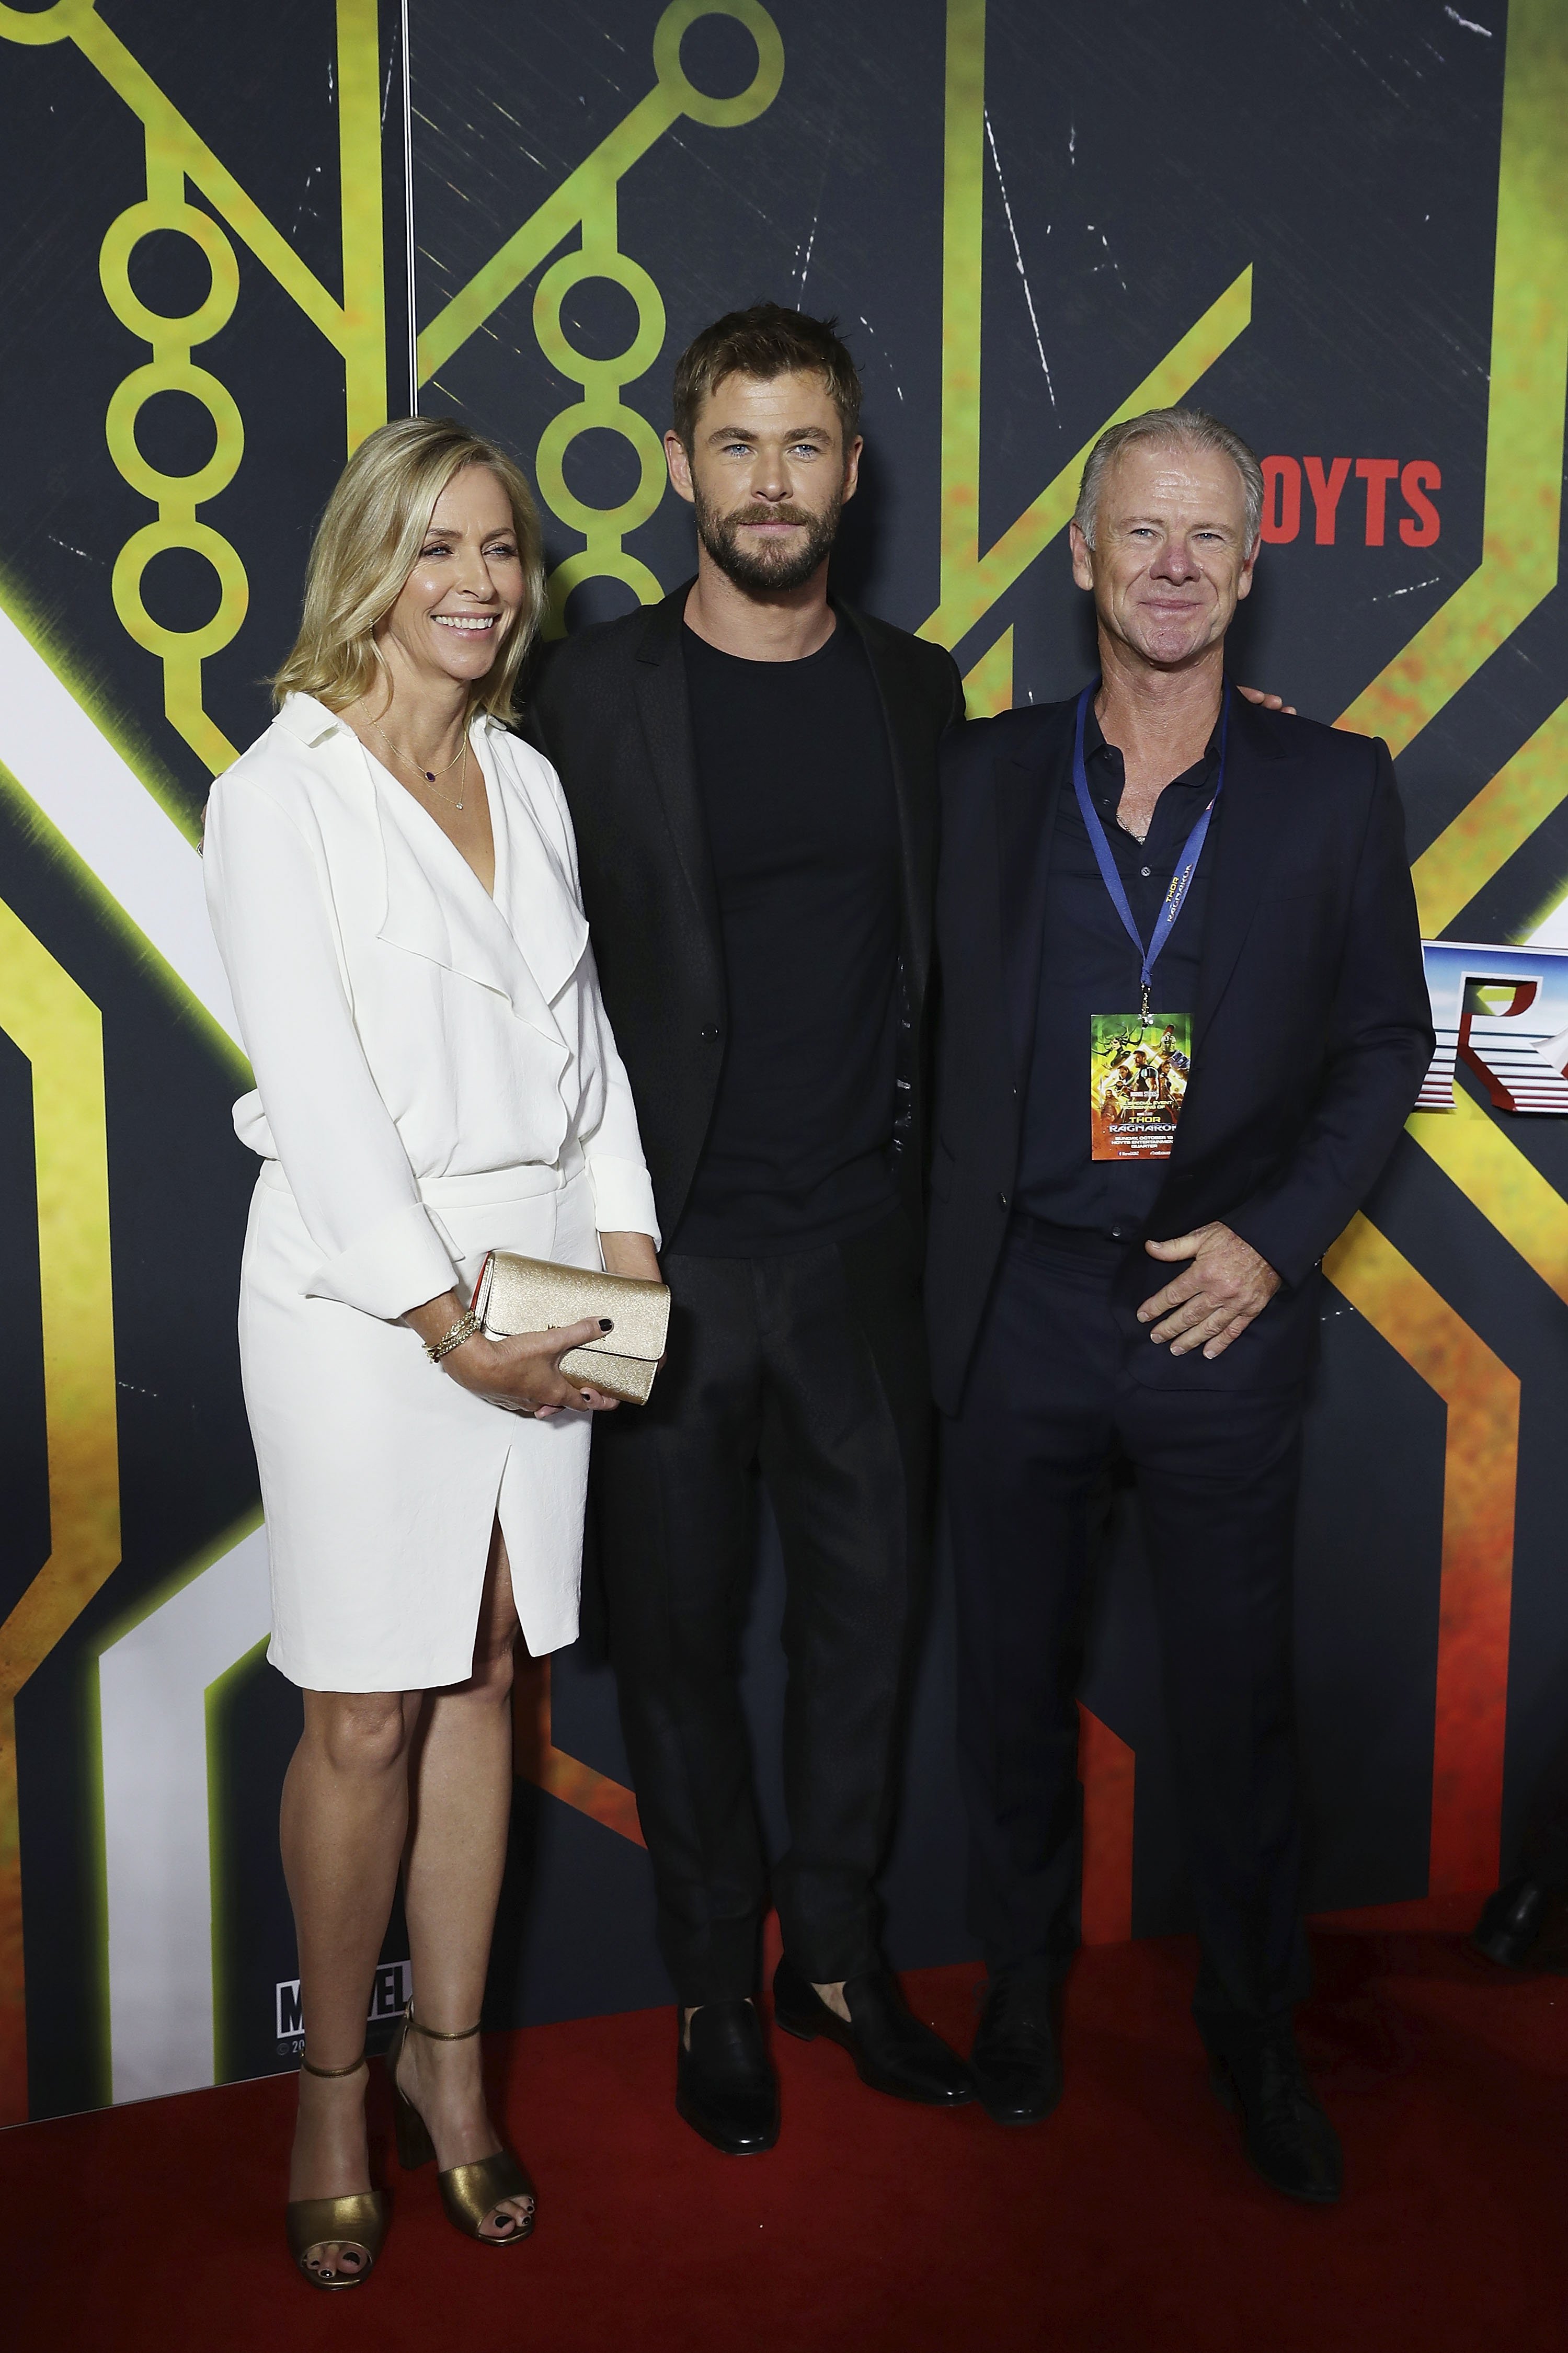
462,597
768,474
1171,559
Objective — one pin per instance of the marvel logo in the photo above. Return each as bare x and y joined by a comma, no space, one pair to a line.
391,1992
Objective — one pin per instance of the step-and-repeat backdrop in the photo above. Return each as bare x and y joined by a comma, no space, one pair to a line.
233,241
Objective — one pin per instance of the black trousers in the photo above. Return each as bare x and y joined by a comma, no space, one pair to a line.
812,1368
1049,1400
1545,1854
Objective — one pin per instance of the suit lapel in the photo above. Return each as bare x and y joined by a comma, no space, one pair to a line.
539,917
664,710
1249,838
459,925
1027,789
1250,835
456,925
913,756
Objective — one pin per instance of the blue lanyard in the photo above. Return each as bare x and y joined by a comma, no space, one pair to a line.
1186,865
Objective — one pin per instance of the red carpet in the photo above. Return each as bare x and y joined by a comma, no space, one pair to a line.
1127,2221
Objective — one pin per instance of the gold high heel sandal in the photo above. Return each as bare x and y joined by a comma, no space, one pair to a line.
357,2220
470,2193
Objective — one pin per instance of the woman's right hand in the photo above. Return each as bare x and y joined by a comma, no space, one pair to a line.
523,1373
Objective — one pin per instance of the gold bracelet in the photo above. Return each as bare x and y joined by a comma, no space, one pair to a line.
467,1328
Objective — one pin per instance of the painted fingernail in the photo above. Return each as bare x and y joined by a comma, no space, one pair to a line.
606,1324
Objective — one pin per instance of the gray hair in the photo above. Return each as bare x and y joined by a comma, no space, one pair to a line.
1179,429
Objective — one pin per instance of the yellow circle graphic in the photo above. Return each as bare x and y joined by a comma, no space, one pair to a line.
120,427
234,589
155,327
575,269
34,28
722,114
557,438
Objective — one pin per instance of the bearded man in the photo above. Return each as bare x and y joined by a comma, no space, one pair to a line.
751,772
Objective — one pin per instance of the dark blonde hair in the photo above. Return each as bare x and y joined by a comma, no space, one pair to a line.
366,546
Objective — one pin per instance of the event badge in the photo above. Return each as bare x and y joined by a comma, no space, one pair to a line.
1138,1063
1137,1075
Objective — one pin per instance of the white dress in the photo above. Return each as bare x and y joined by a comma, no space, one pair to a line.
435,1078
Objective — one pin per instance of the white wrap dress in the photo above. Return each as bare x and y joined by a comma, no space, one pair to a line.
435,1078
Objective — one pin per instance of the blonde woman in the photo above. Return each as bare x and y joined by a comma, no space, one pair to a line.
393,882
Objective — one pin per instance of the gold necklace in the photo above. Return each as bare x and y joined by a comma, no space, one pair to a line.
430,774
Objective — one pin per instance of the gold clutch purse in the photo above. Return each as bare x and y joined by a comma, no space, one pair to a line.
533,1294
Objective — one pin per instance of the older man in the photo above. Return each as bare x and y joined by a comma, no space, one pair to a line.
1155,860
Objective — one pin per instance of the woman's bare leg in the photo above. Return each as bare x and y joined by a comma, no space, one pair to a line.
460,1806
344,1819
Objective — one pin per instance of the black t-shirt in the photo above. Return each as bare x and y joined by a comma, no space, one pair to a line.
797,783
1089,966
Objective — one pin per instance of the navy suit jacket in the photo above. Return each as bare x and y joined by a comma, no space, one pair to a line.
1312,1029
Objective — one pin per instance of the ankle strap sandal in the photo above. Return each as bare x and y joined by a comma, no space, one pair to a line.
357,2221
470,2193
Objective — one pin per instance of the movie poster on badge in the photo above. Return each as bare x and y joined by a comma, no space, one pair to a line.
1138,1077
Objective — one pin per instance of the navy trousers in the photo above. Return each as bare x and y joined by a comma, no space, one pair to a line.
1051,1401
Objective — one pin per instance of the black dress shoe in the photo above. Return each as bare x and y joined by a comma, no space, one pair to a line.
1016,2061
891,2049
1511,1921
1290,2141
725,2085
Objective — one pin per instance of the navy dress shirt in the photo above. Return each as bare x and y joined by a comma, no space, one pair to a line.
1087,965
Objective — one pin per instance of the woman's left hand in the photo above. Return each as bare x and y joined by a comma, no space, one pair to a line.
632,1254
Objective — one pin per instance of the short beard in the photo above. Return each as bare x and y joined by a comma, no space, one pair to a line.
762,567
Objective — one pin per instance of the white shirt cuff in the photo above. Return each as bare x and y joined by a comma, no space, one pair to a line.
623,1196
399,1264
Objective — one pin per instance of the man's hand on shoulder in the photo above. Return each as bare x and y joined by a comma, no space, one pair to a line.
1267,702
1214,1300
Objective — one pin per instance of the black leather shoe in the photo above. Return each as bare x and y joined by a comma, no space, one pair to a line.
725,2085
1290,2141
1511,1921
891,2049
1016,2061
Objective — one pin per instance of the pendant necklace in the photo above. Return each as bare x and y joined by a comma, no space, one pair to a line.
430,774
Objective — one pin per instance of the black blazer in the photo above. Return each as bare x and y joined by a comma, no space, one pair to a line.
610,710
1312,1033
